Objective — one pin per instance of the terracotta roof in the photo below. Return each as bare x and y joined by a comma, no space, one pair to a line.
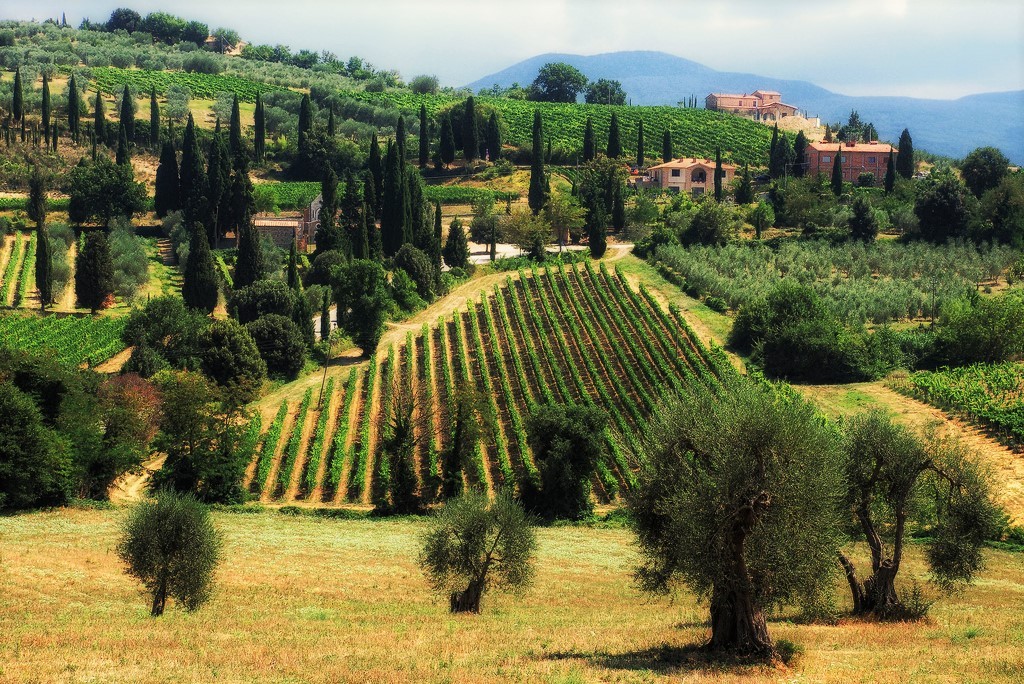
689,162
768,92
858,147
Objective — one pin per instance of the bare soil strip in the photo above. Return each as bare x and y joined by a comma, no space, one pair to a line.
286,429
332,405
353,427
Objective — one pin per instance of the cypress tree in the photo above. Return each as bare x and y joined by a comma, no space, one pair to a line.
539,188
92,136
589,146
154,120
376,246
44,267
331,126
37,203
375,165
618,209
193,189
640,152
293,265
456,248
250,265
417,231
74,108
745,189
327,236
305,124
18,105
773,154
614,140
800,154
200,283
53,137
260,139
446,148
597,236
46,109
302,314
470,135
166,192
718,174
369,198
424,137
494,141
435,247
837,172
127,114
666,146
94,272
99,125
890,174
905,155
400,141
123,156
828,133
218,178
325,317
361,243
392,211
235,131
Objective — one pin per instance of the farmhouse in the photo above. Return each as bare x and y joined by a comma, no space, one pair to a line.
689,175
281,230
761,105
855,158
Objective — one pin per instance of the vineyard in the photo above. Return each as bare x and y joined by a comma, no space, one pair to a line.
560,335
695,132
17,269
72,339
990,395
296,195
881,282
112,80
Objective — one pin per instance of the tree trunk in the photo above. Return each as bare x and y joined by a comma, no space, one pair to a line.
468,601
856,588
737,625
880,597
159,598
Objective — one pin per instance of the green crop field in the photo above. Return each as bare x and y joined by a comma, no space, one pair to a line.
72,339
202,86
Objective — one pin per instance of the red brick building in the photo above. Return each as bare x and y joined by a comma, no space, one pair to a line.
760,105
856,158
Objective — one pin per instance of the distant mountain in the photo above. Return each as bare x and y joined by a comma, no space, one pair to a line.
948,127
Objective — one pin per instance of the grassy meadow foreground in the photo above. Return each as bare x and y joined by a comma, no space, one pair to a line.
302,599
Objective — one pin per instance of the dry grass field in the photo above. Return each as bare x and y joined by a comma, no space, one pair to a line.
301,599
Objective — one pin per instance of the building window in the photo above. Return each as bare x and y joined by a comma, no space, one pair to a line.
872,160
699,177
826,159
843,160
675,173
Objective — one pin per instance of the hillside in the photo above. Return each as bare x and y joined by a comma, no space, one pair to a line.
657,78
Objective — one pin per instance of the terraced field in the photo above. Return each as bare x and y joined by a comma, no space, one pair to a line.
562,334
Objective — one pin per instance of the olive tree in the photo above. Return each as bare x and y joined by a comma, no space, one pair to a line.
474,545
172,547
894,478
738,500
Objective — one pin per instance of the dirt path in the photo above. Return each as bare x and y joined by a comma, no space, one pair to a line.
332,405
295,480
372,404
275,465
353,427
166,251
66,299
116,362
6,247
1007,466
132,487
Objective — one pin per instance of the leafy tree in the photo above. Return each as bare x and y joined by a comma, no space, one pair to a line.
614,139
863,224
446,150
983,169
762,217
528,232
1002,209
124,19
417,264
589,146
894,478
606,92
280,343
102,190
666,146
200,285
166,198
261,298
231,359
494,142
18,97
456,248
711,225
836,182
890,174
540,188
474,546
424,85
166,327
361,290
736,500
567,443
94,272
986,330
172,547
470,141
35,460
943,209
557,82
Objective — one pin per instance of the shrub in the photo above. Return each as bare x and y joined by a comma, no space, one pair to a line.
261,298
280,343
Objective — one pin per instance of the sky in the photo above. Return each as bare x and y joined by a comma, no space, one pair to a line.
922,48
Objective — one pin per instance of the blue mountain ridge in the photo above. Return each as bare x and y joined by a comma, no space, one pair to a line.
947,127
